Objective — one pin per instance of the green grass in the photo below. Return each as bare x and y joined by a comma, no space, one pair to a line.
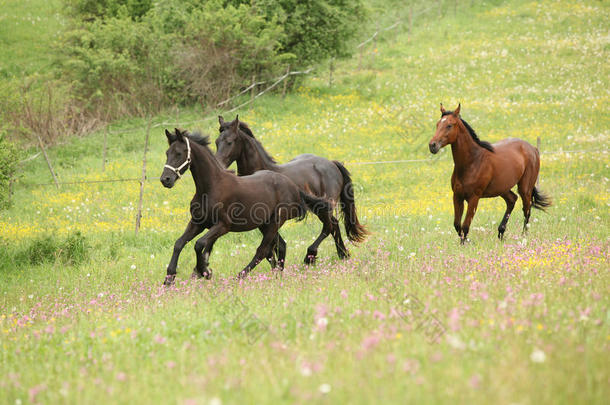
28,29
105,330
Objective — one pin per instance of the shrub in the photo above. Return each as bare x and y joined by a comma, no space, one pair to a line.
117,66
92,9
73,250
131,56
222,48
314,29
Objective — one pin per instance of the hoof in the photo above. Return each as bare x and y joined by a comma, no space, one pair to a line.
310,259
207,274
242,274
170,279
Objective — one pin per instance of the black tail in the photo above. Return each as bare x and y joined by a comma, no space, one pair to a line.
314,204
539,200
354,230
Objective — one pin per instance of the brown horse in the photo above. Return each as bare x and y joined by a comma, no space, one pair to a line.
482,170
313,174
226,203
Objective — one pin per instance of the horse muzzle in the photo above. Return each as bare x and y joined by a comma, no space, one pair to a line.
168,180
434,148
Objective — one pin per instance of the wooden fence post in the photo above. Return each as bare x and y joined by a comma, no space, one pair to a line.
139,214
44,152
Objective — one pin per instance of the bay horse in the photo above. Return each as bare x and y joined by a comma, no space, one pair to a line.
315,175
483,170
224,202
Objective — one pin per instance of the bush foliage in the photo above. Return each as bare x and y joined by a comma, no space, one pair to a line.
126,56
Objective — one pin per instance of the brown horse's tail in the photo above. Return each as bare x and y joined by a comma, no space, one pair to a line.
540,200
314,204
354,230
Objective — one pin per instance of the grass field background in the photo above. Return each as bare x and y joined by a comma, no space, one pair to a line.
524,321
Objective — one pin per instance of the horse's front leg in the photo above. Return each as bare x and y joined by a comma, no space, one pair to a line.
203,248
458,210
472,208
192,230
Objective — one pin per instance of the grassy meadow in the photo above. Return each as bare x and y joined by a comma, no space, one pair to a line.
412,316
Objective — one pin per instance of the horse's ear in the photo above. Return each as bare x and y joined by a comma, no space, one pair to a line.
170,137
179,135
221,120
442,109
457,110
235,124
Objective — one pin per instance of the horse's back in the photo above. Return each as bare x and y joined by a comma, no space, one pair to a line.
517,150
315,175
511,160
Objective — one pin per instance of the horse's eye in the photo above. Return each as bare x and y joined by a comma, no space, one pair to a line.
229,142
449,126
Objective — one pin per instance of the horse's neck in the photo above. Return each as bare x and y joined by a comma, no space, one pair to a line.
465,151
252,160
205,169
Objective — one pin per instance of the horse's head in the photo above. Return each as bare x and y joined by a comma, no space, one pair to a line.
446,129
178,157
229,143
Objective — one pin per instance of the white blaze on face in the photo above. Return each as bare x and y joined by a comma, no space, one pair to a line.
444,119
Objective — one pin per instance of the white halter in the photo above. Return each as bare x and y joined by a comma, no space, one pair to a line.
186,162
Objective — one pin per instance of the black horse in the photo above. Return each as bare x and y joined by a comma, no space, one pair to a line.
226,203
313,174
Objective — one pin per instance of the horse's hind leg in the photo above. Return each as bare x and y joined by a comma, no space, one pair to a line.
330,226
525,191
312,250
342,251
203,248
272,251
510,199
280,250
526,186
269,234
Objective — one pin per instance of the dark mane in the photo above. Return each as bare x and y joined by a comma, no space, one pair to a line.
475,137
197,137
247,131
204,140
